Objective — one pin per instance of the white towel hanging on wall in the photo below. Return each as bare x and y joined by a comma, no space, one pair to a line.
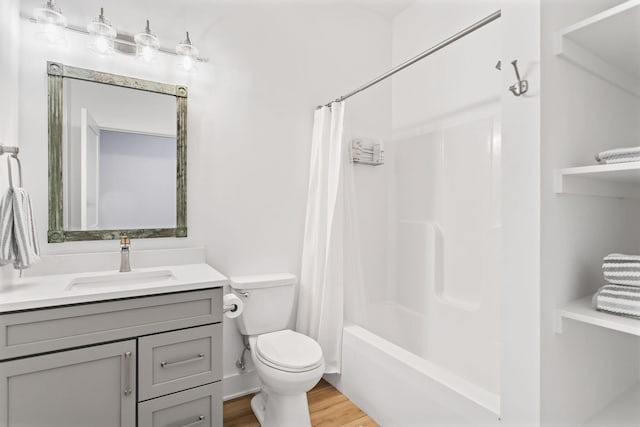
18,232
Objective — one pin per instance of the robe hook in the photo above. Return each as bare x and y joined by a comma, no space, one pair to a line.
522,86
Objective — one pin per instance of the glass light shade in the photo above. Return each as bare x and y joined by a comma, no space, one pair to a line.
51,22
147,45
187,54
102,34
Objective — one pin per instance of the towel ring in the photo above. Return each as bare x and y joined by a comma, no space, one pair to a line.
11,171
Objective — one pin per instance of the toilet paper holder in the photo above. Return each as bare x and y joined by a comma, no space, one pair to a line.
230,308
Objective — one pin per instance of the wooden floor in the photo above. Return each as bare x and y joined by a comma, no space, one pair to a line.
328,407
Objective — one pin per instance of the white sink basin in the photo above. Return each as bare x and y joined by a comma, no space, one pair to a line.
133,279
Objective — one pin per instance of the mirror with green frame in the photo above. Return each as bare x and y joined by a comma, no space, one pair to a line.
117,156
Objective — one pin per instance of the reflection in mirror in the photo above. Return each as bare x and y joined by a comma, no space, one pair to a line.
119,157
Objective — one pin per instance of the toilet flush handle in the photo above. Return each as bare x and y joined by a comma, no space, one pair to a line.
244,293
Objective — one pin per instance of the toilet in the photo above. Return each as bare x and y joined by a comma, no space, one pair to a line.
288,363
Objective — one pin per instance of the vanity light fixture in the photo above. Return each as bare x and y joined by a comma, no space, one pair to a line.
52,23
187,54
105,40
147,44
103,35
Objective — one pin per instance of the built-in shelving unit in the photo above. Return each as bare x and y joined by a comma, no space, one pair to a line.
582,311
607,45
621,412
620,180
594,53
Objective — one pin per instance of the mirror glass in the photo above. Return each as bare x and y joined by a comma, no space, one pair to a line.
119,157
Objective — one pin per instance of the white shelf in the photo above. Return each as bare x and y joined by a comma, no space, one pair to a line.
582,311
622,412
607,45
620,180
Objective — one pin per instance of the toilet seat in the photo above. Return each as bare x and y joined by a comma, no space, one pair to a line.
288,351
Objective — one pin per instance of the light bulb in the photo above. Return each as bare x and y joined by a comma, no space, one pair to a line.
102,45
147,44
188,63
147,53
188,54
52,23
53,34
103,35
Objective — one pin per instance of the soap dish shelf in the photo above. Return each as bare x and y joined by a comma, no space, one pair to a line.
366,152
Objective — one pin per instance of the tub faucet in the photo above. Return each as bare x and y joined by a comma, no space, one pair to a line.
125,265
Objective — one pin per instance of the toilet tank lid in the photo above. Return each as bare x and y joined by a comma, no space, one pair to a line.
262,280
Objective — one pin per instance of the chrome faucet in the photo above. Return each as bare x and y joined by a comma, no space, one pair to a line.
125,265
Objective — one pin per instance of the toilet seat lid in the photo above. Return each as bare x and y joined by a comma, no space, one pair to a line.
289,350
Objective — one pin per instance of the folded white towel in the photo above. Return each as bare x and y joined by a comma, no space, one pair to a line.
621,160
621,300
18,233
618,153
621,269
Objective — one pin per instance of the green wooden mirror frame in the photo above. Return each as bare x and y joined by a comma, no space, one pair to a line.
56,74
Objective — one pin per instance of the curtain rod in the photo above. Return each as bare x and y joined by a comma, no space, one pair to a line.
470,29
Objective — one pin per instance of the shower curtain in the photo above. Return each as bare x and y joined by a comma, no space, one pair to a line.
321,298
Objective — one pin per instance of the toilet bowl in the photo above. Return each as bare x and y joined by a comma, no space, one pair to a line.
288,363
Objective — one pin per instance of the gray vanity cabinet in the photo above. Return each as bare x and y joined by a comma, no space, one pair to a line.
151,361
93,386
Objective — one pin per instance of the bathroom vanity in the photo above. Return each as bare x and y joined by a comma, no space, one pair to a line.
126,349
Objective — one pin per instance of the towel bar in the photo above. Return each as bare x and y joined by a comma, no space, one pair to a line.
5,149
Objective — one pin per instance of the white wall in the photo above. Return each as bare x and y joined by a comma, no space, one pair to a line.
520,290
250,114
9,47
585,367
459,78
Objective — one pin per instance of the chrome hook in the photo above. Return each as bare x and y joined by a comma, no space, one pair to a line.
522,86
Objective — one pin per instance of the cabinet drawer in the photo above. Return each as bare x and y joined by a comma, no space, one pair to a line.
197,407
178,360
39,331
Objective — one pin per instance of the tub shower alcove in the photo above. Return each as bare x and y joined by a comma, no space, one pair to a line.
422,339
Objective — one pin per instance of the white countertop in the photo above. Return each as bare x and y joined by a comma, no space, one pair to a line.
53,290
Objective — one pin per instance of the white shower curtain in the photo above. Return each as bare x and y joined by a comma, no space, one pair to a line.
321,298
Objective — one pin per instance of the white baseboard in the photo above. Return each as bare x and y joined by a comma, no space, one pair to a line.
240,384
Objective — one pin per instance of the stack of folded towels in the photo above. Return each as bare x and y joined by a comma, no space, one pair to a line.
622,293
619,155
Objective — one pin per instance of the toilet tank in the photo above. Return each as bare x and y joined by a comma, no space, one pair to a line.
268,302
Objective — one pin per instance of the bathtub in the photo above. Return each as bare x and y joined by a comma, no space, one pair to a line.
398,388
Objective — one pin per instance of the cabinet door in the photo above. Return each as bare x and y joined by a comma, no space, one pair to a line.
92,386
